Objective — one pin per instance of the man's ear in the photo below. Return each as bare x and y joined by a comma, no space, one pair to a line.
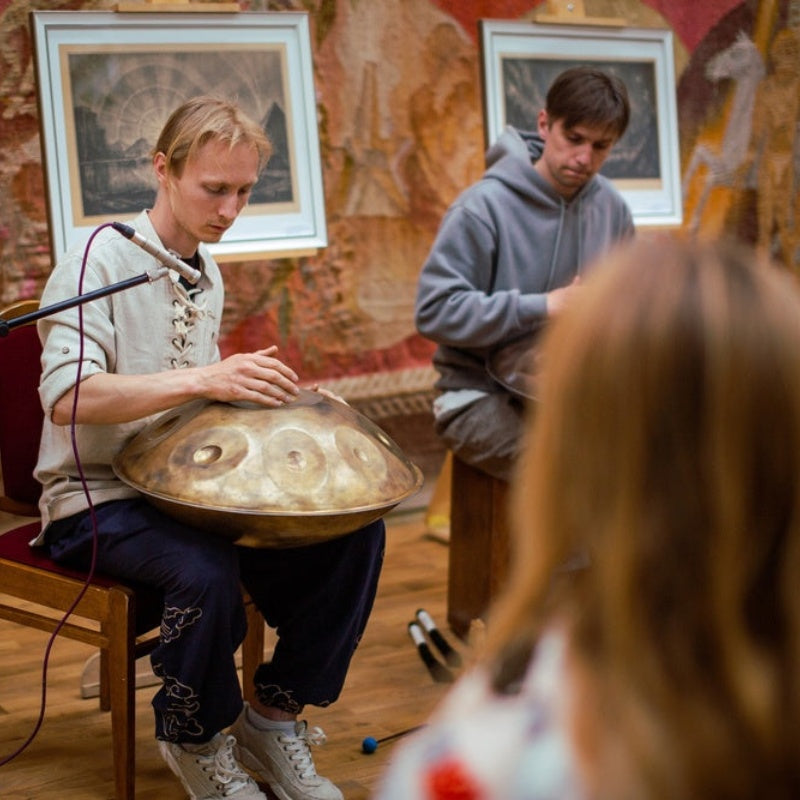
543,124
160,166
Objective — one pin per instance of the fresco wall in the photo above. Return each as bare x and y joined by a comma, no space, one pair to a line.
399,105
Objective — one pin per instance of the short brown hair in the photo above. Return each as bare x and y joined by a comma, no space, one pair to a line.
589,96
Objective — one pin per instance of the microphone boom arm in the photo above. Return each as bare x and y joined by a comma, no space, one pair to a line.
166,261
6,325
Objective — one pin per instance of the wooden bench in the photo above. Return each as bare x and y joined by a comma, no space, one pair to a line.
479,544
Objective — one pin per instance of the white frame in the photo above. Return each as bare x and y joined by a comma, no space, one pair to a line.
162,44
653,201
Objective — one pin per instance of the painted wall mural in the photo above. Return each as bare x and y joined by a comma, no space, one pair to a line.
739,102
401,131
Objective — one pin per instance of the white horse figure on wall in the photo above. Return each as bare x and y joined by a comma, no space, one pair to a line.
741,62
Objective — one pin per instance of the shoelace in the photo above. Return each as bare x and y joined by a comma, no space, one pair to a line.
227,772
297,748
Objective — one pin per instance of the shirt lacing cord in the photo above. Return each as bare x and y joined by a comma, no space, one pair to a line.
189,305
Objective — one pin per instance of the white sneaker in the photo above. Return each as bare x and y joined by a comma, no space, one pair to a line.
283,760
210,772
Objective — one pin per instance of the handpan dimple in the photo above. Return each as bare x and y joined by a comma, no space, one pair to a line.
360,453
294,461
209,453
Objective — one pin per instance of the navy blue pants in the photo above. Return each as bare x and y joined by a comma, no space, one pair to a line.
318,598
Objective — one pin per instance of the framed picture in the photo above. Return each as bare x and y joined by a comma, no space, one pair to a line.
107,81
520,61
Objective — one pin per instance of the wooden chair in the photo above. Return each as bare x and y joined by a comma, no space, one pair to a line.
479,544
116,617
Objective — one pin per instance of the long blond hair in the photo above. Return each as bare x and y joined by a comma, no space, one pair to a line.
665,449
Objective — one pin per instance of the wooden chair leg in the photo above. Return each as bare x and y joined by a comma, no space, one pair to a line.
104,682
121,687
252,650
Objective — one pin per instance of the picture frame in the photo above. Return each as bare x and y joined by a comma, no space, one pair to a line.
107,82
519,62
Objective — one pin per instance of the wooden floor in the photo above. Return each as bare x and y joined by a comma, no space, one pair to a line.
388,690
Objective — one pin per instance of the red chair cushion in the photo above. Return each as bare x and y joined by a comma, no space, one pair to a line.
14,546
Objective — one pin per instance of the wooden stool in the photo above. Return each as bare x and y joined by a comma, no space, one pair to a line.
479,544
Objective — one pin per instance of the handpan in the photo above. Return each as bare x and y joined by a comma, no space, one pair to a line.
516,365
309,471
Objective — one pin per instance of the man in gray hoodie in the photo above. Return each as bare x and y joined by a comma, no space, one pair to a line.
510,252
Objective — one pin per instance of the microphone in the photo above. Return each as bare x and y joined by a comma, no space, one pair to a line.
159,253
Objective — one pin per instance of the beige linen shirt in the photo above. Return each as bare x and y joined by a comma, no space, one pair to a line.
148,328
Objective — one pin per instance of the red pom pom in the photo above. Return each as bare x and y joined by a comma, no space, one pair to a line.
451,780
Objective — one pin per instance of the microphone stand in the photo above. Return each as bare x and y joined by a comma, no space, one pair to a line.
6,325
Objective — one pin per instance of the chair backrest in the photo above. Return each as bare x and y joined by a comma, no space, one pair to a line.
21,413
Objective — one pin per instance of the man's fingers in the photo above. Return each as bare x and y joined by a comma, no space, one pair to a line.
265,359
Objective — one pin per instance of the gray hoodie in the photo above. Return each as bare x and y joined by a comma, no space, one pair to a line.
504,243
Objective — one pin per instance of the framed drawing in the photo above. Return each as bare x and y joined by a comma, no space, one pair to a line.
520,61
107,81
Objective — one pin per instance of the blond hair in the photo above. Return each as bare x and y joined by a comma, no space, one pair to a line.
665,449
201,119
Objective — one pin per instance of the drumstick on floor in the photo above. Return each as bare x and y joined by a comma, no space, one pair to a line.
445,648
438,671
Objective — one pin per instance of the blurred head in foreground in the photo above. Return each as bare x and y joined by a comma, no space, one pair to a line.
665,451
